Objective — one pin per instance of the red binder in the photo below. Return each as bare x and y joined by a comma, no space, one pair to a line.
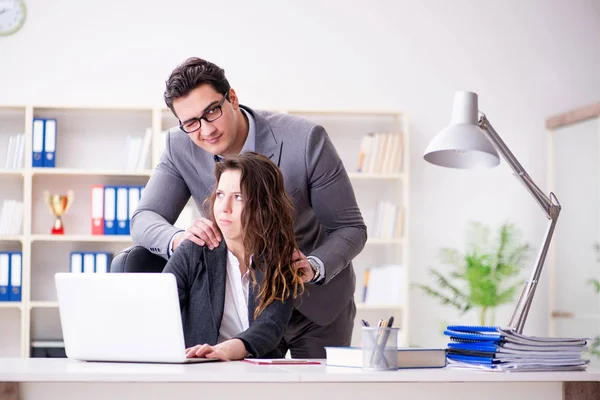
97,209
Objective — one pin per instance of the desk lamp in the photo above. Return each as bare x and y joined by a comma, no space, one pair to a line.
470,142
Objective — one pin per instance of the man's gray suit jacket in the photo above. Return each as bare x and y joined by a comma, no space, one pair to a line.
328,222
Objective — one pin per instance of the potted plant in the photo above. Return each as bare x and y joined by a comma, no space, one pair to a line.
485,276
594,346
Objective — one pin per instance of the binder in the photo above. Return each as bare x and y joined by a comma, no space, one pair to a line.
122,214
133,200
16,275
37,143
110,211
97,210
103,262
76,263
89,263
50,143
4,276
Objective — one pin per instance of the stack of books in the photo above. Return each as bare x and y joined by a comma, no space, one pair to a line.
497,349
407,357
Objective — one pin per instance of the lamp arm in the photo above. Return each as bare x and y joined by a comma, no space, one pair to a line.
544,201
551,207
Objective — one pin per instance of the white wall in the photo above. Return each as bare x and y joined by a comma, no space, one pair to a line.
526,59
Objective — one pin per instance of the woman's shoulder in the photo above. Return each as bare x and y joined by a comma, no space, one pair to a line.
195,251
190,249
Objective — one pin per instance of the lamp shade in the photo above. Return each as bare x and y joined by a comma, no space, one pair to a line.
462,144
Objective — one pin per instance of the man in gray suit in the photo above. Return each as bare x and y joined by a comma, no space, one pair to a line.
329,227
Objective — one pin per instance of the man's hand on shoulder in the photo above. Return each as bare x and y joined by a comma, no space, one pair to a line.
202,232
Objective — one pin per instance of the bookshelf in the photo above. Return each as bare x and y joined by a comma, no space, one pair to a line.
90,145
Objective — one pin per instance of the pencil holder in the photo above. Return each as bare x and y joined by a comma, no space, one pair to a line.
380,349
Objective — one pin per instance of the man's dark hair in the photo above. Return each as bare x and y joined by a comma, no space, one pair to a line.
192,73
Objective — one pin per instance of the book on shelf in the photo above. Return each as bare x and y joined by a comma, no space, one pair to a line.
11,218
381,153
408,357
389,220
383,285
15,152
138,151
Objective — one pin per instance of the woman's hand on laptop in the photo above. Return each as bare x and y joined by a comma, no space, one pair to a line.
228,350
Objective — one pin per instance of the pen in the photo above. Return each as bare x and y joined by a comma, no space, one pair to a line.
380,344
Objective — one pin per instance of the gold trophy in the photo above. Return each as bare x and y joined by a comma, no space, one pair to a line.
59,204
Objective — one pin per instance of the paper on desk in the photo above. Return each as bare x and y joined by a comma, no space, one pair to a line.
279,361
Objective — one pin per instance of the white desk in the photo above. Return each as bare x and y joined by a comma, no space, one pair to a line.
53,379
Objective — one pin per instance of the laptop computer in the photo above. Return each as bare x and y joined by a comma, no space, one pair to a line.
124,317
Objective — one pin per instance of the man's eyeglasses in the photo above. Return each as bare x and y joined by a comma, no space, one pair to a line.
193,124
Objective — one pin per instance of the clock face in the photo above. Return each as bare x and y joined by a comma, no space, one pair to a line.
12,16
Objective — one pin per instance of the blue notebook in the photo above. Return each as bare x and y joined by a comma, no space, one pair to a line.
473,328
471,359
458,336
473,346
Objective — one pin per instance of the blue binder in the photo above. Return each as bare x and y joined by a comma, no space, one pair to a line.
76,264
50,143
89,263
16,275
4,276
122,210
110,210
37,155
103,262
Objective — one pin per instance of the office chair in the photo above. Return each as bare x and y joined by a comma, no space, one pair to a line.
137,259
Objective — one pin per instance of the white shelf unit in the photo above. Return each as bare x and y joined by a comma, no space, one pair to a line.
90,150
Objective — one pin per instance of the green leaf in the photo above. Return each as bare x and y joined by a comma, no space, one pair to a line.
484,275
595,283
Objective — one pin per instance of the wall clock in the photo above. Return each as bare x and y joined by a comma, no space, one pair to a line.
12,16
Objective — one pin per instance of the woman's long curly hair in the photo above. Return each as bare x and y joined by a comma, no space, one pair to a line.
267,226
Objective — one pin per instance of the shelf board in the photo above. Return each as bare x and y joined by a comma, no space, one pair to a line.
375,176
384,241
363,306
359,113
11,238
43,304
48,343
81,238
11,304
84,172
11,172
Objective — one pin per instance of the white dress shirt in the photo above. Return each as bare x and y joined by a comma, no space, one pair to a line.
235,312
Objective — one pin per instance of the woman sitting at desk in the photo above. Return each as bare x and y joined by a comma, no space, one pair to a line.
237,299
